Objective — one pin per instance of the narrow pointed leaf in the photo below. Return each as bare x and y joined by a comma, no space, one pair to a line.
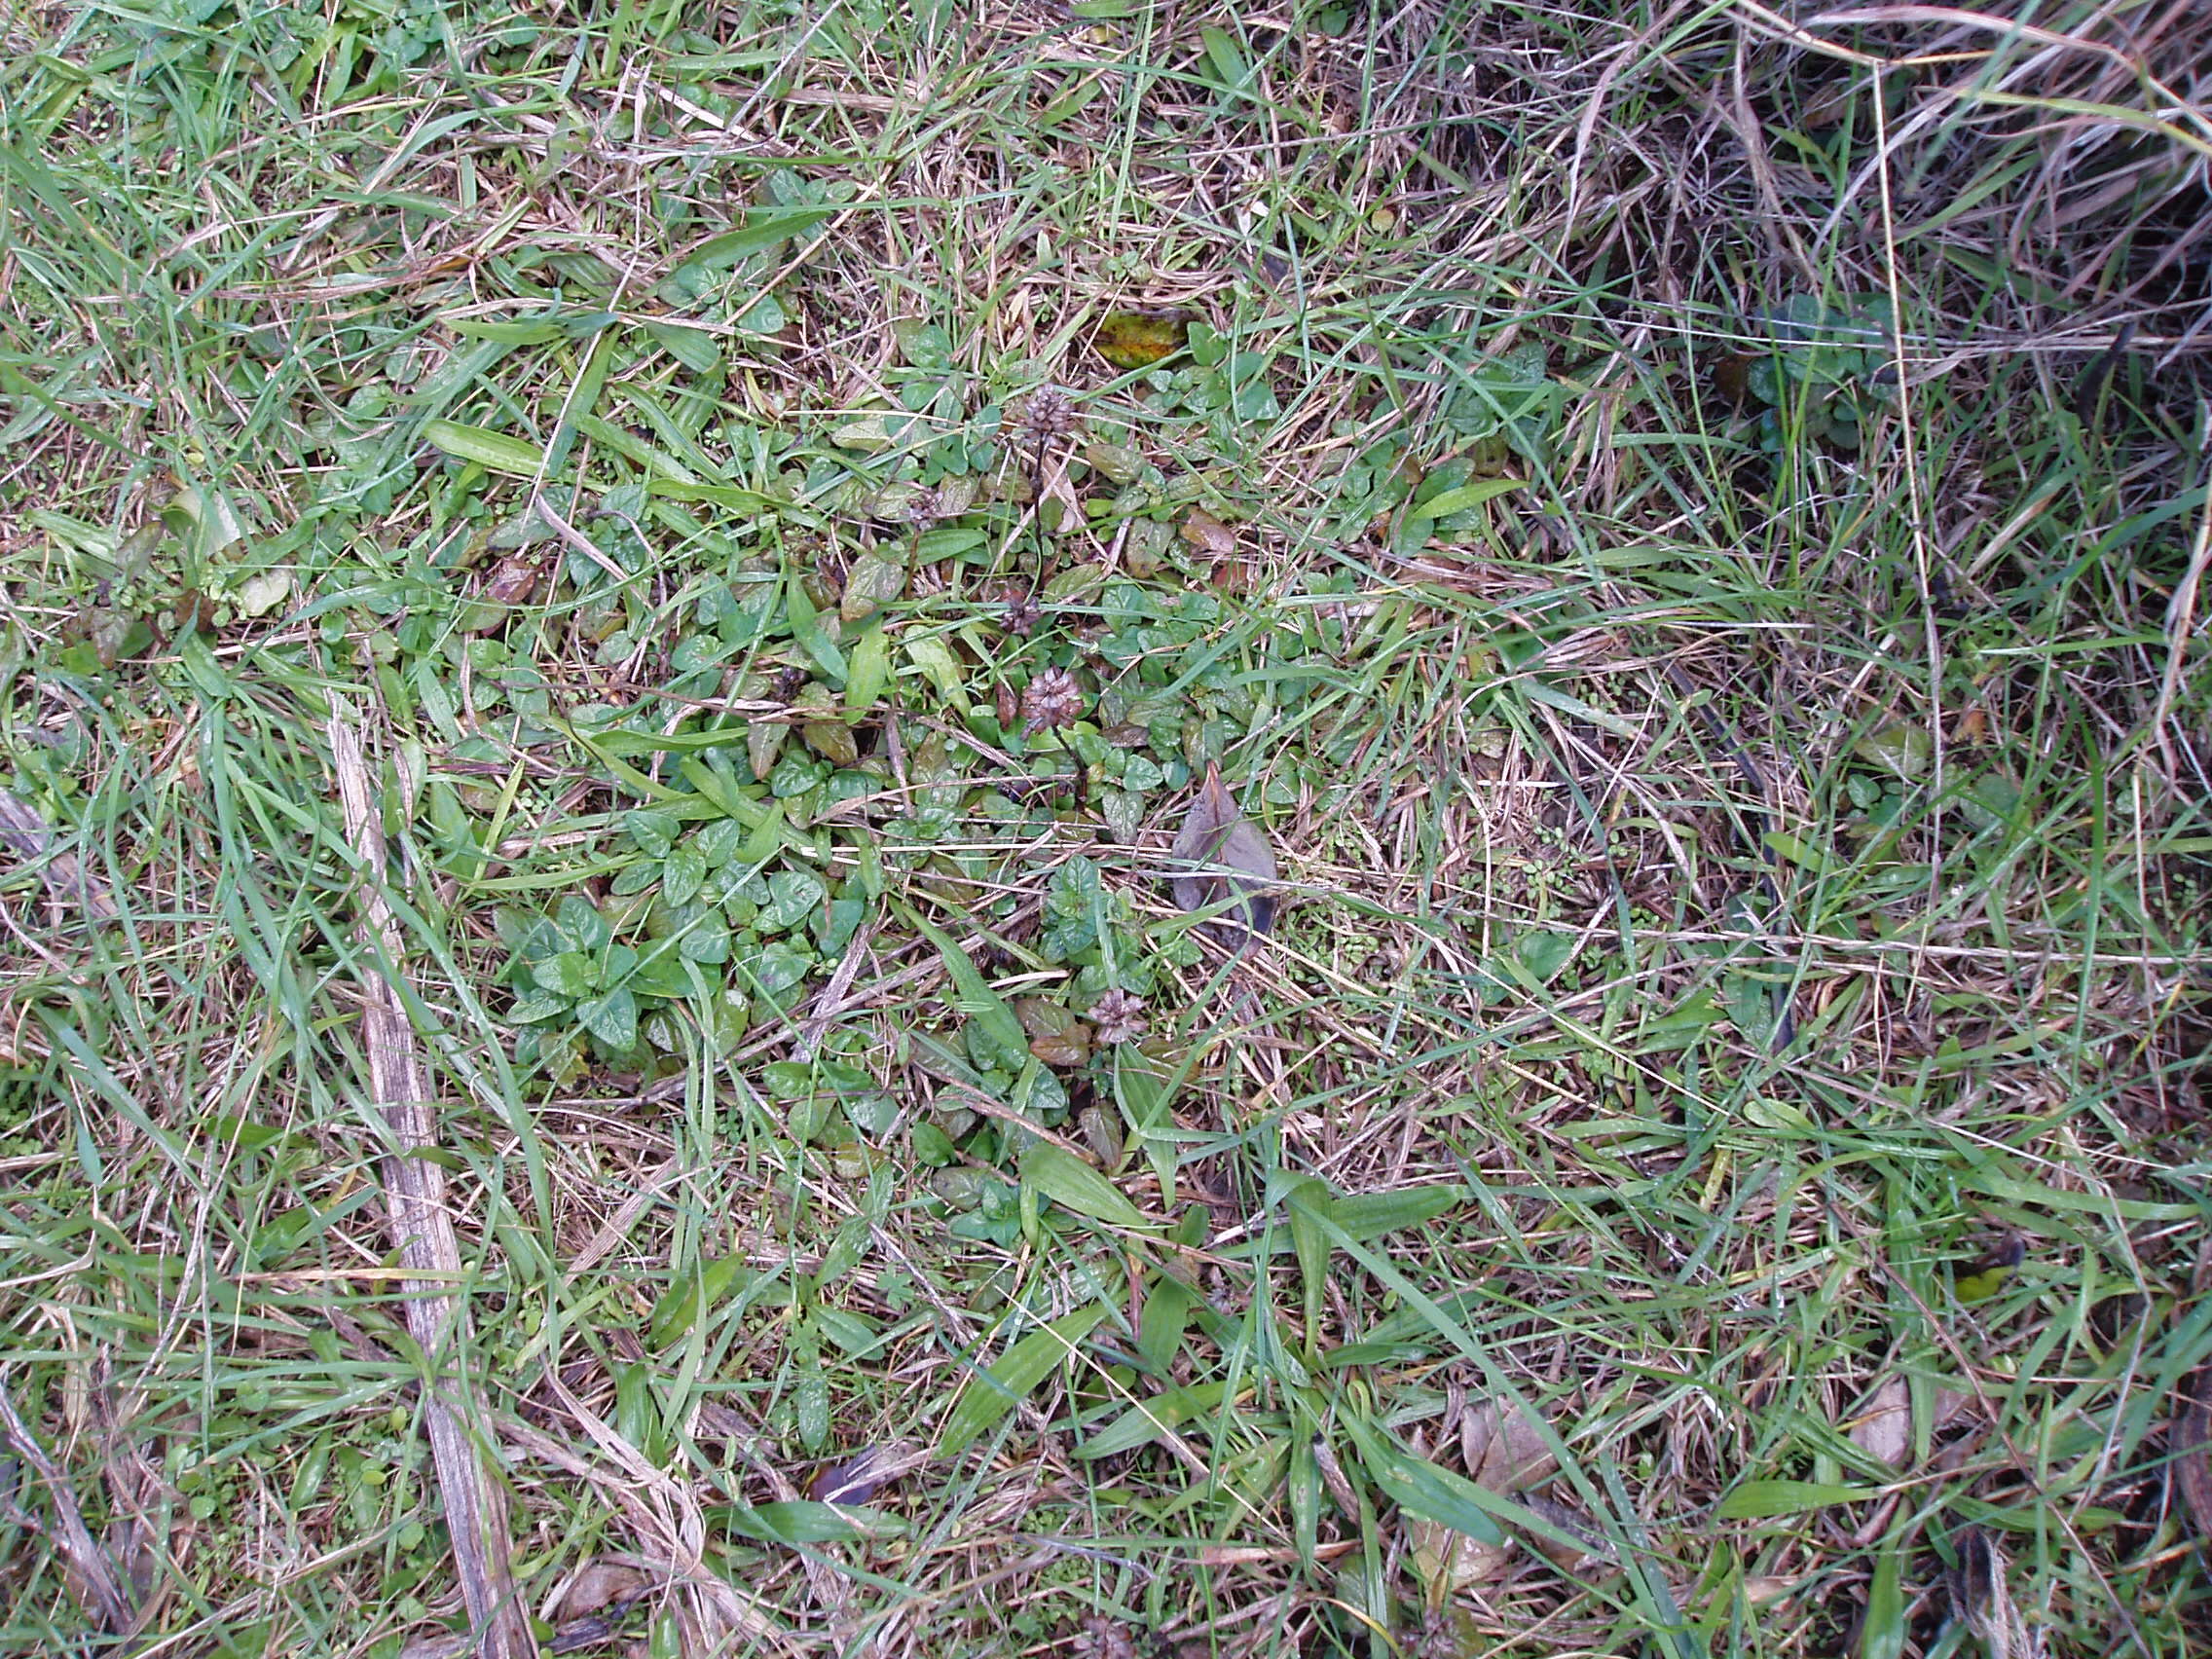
1064,1178
1007,1381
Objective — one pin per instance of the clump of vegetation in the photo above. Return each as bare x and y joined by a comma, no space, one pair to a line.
1355,831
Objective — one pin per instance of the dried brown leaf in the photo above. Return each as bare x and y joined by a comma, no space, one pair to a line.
1065,1049
858,1479
1982,1599
598,1584
1447,1560
832,740
24,832
514,579
1207,534
872,582
1240,867
1884,1429
2193,1452
420,1219
1103,1639
1502,1450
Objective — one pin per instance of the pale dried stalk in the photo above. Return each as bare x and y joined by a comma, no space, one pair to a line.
422,1230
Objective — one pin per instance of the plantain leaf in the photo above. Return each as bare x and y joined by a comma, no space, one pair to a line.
1064,1178
495,452
1007,1380
974,995
800,1521
1757,1499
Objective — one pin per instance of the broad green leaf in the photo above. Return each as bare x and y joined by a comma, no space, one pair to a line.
539,331
764,227
924,344
1543,955
612,1018
935,658
1423,1488
695,349
1306,1203
800,1521
1882,1633
495,452
654,832
946,541
1370,1215
1449,502
683,874
734,497
1227,58
1757,1499
870,664
1604,719
1062,1176
807,630
1003,1385
765,316
703,1290
1148,1419
572,974
1168,1304
1899,748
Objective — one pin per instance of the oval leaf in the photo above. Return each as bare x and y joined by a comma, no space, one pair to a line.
493,452
800,1521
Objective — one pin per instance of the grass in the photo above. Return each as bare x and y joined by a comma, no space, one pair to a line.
1684,531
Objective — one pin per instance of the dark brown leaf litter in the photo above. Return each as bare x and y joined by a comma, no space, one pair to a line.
1222,861
859,1478
2192,1451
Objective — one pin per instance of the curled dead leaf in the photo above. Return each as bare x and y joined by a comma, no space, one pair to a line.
1886,1430
598,1584
1224,862
1448,1562
858,1479
1981,1598
514,578
1502,1450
